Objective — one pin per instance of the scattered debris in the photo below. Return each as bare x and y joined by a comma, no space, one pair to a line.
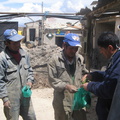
39,57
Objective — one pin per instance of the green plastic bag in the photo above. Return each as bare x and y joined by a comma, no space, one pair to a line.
26,91
82,98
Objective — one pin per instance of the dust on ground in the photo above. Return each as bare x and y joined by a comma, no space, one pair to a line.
42,103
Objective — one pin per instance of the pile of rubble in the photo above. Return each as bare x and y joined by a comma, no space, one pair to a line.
39,57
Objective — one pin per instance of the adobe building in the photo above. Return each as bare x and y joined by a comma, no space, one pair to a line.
104,17
57,28
33,30
52,30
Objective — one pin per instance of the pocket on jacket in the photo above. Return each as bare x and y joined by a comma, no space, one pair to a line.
26,67
11,73
60,70
62,74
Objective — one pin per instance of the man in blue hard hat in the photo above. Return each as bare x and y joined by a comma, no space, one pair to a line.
15,73
65,72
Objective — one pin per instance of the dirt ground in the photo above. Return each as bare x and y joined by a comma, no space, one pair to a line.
42,102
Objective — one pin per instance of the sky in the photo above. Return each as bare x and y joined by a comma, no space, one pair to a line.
35,6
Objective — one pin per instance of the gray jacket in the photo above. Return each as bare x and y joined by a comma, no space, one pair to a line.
59,77
14,76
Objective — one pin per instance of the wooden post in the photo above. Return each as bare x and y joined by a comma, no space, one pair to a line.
89,46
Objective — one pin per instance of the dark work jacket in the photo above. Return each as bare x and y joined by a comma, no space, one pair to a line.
104,86
114,113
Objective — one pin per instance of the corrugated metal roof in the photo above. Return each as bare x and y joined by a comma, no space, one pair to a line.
57,23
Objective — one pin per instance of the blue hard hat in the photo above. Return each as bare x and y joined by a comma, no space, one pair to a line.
72,39
11,34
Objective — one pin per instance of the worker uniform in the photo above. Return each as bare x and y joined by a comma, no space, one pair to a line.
104,85
13,77
59,76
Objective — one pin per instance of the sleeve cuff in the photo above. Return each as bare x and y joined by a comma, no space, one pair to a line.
89,86
5,99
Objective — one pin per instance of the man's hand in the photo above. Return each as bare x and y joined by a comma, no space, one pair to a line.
29,84
7,104
86,78
85,86
71,88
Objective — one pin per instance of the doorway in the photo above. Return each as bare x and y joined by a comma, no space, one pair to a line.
59,41
32,34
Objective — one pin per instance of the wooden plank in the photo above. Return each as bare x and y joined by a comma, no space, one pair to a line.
103,9
106,19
